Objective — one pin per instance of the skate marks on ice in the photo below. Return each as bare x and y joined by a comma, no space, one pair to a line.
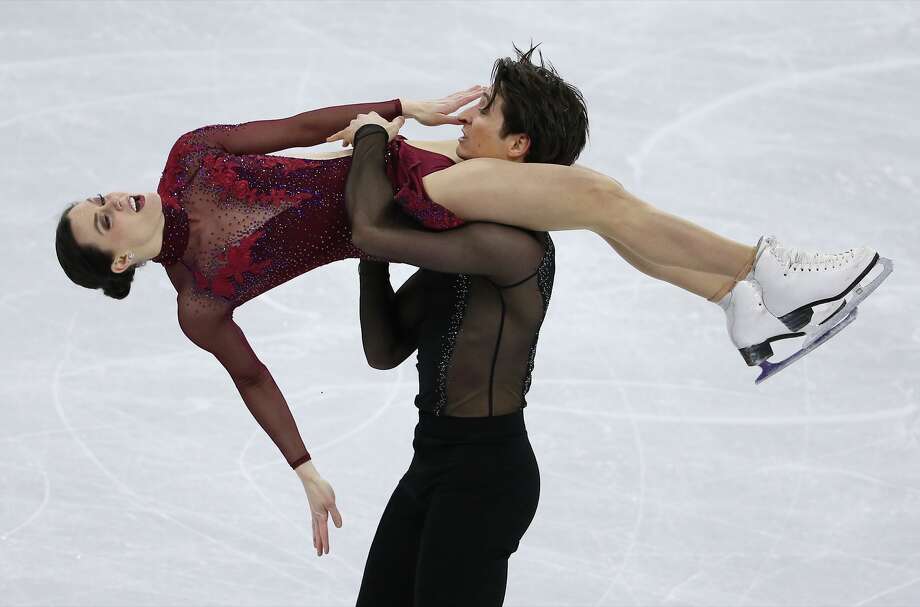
730,550
637,160
695,392
158,508
828,328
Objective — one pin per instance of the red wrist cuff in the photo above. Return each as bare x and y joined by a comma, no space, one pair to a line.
300,460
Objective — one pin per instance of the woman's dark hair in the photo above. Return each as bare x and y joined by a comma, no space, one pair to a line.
538,102
88,266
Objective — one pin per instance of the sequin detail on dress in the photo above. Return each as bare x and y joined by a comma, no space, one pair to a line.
257,221
406,175
237,261
175,234
260,179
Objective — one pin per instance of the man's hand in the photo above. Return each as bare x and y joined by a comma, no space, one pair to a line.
347,135
437,112
322,504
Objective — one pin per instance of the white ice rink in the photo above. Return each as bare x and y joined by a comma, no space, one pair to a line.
132,474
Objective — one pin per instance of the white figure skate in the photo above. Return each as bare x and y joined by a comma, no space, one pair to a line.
793,282
787,285
753,328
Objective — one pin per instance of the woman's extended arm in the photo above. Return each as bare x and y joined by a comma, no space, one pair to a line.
213,329
389,321
303,130
314,127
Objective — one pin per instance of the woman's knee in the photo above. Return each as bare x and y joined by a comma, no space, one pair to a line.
610,209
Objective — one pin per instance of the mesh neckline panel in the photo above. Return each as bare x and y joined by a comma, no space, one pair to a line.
175,234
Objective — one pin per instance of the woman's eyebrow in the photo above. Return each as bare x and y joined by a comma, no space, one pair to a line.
96,222
95,218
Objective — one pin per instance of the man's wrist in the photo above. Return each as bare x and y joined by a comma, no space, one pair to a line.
367,129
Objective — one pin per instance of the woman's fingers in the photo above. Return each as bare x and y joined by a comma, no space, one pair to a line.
336,517
454,105
464,92
318,526
322,503
324,533
475,87
315,537
461,98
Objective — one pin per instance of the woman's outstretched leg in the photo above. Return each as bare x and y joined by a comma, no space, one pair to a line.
554,197
786,283
698,283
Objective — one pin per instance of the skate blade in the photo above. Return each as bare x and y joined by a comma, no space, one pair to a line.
769,369
854,297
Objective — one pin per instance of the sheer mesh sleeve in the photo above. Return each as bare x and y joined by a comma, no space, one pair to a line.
389,321
210,325
303,130
501,253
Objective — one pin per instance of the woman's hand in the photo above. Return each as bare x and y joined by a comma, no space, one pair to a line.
347,135
322,504
437,112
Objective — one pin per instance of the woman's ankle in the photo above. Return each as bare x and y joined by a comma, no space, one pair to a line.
742,274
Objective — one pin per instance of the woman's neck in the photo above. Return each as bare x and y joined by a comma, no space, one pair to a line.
153,246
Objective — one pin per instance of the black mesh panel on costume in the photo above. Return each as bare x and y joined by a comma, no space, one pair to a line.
484,295
478,339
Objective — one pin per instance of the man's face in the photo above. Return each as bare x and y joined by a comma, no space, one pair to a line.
481,129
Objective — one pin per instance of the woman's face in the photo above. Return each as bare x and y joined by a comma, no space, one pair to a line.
115,225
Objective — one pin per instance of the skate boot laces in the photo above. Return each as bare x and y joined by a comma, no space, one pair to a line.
795,260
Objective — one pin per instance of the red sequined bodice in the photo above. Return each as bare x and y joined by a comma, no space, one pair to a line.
244,224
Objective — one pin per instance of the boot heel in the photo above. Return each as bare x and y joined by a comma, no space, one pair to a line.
797,319
754,355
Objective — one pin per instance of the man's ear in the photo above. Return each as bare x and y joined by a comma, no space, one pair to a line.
520,145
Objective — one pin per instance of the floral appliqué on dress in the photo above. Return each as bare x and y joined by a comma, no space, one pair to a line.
237,260
257,179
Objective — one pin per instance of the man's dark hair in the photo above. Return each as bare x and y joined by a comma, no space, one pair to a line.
88,266
536,101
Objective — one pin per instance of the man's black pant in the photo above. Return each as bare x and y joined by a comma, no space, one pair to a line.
456,516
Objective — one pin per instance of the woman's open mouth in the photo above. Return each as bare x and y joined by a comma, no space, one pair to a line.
136,202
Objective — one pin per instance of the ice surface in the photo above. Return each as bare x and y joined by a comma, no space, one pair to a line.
131,473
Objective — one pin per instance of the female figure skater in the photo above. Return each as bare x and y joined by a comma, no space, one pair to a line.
474,314
229,222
